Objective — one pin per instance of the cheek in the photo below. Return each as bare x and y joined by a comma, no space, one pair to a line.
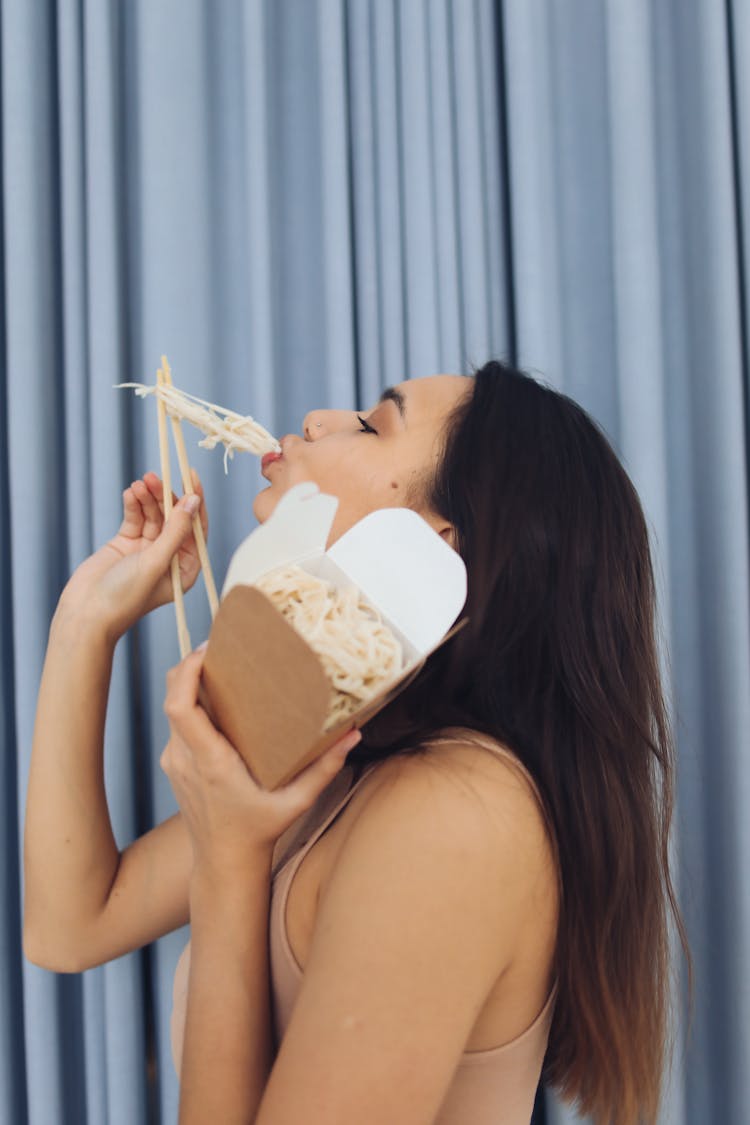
360,483
345,472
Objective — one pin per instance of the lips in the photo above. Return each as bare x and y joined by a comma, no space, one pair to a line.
269,458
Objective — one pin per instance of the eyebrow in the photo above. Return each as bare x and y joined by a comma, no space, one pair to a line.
391,394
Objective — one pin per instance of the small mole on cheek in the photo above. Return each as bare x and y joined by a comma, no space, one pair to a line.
394,484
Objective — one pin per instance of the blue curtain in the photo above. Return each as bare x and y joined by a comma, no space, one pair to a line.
299,202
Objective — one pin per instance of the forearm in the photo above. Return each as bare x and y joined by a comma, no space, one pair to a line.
70,854
227,1053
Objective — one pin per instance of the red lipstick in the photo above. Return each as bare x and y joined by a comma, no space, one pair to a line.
269,458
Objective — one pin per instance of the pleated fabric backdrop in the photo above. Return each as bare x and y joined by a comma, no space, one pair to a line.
300,202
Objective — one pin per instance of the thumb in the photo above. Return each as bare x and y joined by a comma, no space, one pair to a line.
176,530
303,789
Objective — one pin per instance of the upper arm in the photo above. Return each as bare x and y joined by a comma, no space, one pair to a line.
416,923
148,898
150,894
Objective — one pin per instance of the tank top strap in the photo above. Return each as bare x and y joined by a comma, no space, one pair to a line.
479,738
311,826
295,852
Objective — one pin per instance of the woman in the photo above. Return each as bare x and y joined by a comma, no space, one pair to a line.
489,879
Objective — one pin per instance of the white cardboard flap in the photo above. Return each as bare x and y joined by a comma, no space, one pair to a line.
416,580
297,527
411,575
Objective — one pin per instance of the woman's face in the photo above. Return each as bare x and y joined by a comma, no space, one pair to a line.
378,466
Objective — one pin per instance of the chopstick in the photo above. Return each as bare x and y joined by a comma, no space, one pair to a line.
187,484
183,635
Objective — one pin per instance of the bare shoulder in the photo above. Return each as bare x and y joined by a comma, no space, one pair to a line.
489,787
456,801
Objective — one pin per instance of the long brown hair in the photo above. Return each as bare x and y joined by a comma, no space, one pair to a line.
559,662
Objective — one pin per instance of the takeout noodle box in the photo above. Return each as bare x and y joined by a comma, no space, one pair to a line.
266,689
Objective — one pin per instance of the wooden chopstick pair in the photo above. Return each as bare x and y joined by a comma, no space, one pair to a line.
164,378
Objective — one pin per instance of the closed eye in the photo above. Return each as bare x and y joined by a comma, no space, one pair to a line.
366,427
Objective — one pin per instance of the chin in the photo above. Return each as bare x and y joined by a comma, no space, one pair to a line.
264,504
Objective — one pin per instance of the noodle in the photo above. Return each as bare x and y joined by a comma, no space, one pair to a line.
234,431
358,651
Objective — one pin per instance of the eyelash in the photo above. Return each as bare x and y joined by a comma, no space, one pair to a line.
366,427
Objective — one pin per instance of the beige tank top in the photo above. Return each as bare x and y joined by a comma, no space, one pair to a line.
492,1087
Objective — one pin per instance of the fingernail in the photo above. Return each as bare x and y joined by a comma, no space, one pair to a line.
201,646
191,504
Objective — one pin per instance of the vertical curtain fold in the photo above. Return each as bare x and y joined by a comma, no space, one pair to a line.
12,1044
715,782
738,46
35,425
300,202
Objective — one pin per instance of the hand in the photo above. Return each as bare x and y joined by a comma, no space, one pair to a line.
231,819
130,575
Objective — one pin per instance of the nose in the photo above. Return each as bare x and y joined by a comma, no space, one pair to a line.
318,423
312,425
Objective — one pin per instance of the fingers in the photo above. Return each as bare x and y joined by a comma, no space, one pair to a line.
132,514
305,787
156,488
143,507
153,518
185,715
181,700
174,533
183,681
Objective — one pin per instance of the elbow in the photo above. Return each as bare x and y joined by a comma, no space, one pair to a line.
51,956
